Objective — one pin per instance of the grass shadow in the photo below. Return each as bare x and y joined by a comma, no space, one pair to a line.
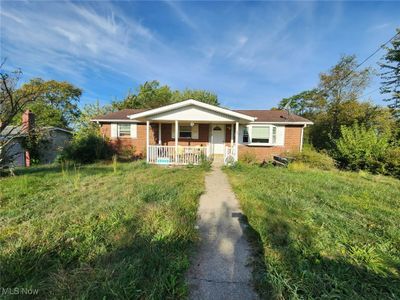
259,279
140,266
316,276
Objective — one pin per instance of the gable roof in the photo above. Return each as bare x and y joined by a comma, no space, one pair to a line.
274,116
251,115
191,102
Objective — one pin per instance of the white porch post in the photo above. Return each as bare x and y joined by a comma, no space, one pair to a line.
159,134
147,140
176,140
231,135
237,141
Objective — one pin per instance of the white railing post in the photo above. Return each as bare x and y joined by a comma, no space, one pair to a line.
176,140
231,135
236,141
147,141
159,134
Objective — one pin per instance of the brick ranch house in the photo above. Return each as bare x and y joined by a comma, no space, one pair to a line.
187,131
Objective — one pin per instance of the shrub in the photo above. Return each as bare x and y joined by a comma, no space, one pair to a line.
392,162
314,159
359,148
206,163
248,158
87,149
127,153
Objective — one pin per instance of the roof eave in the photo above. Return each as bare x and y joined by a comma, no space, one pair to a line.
286,122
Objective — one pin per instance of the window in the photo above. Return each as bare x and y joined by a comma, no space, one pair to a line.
185,132
260,134
245,135
124,129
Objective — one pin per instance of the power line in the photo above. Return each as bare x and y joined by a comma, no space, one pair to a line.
366,59
369,93
377,50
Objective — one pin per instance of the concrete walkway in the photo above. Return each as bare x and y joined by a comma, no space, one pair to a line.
219,270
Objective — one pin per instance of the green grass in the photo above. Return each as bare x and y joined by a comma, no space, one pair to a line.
322,234
100,231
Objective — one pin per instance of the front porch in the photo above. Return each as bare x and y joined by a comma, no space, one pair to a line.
184,143
190,131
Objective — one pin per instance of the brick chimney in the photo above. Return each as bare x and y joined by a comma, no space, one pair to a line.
28,123
28,120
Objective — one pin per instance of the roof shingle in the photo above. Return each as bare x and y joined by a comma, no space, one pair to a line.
272,115
119,115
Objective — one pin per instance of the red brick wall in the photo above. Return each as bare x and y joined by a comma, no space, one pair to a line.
139,142
292,140
292,144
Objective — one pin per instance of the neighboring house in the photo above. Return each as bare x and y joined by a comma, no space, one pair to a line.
53,141
187,131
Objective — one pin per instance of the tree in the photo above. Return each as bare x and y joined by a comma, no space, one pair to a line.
391,75
151,95
200,95
305,104
338,93
57,105
83,124
343,83
13,100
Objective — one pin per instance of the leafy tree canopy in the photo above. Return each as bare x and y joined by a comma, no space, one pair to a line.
57,104
305,103
83,125
151,95
337,102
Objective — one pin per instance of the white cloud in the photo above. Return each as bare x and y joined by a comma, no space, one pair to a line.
185,18
379,27
80,41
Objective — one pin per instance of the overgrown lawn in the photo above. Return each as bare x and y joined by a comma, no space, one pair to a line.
96,233
324,234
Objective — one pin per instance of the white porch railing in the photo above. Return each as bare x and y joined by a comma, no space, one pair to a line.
181,155
229,155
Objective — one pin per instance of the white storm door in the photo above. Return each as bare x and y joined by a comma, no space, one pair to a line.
218,138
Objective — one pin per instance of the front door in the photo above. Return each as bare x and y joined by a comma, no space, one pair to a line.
218,138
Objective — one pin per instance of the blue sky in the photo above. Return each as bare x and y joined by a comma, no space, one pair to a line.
251,54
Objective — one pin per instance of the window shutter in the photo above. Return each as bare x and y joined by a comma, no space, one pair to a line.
173,131
133,131
114,130
195,132
280,135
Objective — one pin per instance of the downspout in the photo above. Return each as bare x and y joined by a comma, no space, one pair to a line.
301,138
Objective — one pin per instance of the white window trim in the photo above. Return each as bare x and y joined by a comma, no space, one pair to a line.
130,135
185,137
250,132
